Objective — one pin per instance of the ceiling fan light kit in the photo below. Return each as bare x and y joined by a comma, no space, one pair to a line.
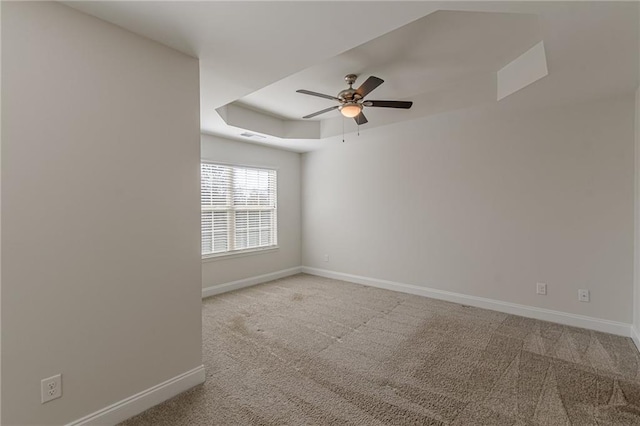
351,101
351,110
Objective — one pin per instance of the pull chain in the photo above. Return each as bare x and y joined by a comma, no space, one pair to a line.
342,129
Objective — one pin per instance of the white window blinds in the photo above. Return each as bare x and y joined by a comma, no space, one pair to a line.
239,208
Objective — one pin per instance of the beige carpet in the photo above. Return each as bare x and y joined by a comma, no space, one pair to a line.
306,350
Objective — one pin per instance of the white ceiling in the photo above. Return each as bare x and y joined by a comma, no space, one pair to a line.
432,53
257,54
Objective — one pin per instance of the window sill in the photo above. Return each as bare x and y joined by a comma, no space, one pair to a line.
239,253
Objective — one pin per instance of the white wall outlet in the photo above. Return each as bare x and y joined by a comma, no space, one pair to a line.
326,258
583,295
541,288
51,388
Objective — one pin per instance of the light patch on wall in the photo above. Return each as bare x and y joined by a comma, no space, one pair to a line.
527,68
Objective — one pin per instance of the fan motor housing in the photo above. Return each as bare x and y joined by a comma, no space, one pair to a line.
349,95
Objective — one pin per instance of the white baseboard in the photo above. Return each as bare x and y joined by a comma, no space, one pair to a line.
635,337
607,326
247,282
144,400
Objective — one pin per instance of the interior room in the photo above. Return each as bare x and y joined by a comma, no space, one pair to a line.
314,213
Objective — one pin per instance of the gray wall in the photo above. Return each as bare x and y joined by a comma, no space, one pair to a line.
636,282
100,212
227,269
485,203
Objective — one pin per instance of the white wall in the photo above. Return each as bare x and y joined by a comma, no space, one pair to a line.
636,278
485,203
100,212
0,217
225,270
636,282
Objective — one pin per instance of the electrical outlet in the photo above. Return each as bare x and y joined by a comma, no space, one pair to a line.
541,288
51,388
583,295
326,258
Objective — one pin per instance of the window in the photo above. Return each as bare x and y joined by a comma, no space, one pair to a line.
239,209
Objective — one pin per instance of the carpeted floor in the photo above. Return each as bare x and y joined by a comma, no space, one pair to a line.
306,350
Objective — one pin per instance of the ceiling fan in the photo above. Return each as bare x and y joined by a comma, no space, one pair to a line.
352,100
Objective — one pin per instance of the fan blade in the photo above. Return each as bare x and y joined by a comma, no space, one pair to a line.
320,95
361,119
389,104
322,111
368,86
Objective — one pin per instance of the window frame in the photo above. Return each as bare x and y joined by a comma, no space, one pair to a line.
246,251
